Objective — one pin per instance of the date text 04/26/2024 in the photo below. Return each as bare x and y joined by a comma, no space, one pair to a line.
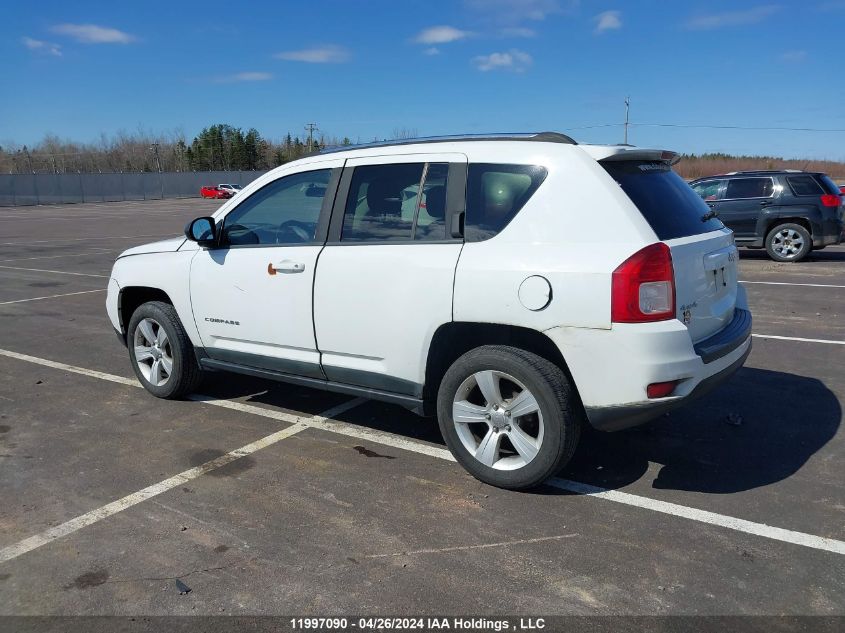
417,624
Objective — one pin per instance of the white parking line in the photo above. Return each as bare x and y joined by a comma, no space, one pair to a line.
99,251
83,239
94,516
703,516
799,339
57,272
789,283
399,442
68,294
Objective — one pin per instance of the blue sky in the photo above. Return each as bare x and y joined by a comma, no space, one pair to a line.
366,68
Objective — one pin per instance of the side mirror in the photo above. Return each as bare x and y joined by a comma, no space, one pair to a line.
203,231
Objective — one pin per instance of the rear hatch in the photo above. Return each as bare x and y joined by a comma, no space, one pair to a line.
704,257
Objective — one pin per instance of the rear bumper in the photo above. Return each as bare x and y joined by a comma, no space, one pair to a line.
831,233
612,368
626,416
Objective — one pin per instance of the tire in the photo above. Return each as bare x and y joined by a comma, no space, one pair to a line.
552,429
788,242
147,347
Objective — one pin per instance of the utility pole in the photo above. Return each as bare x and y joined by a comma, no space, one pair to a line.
28,159
310,127
627,108
154,147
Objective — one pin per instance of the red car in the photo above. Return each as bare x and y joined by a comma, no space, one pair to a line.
212,191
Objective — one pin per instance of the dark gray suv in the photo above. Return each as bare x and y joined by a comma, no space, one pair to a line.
789,213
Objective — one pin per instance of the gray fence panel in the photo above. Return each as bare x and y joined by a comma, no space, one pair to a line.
114,189
133,187
26,191
152,186
179,185
47,186
32,189
70,186
92,190
7,190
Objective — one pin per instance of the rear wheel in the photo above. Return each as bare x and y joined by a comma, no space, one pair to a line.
161,353
788,242
508,416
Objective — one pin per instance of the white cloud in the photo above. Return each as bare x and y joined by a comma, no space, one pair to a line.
514,61
440,35
517,31
93,34
516,11
42,47
794,56
327,54
250,76
732,18
431,51
608,21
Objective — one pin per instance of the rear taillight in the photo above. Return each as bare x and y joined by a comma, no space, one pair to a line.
643,287
831,200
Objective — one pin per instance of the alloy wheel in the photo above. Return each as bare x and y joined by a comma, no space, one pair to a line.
498,420
153,352
787,243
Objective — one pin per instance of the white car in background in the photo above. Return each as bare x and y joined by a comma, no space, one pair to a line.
231,188
544,285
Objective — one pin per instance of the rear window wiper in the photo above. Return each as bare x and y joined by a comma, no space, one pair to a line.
710,215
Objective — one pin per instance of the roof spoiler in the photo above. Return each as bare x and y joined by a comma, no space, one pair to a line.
628,152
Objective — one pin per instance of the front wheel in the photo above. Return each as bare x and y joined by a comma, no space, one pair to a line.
788,242
508,416
161,353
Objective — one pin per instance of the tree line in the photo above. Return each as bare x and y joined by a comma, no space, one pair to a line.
227,148
217,147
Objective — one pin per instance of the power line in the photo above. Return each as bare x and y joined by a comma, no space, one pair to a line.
740,127
706,127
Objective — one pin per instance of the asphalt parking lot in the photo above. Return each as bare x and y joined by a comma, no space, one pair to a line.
732,505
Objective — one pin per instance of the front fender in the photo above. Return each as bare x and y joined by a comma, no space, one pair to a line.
168,272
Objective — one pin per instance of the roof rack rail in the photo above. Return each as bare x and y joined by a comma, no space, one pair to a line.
546,137
765,171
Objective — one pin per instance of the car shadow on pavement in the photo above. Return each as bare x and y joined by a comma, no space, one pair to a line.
759,428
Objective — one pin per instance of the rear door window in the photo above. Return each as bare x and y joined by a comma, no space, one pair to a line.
495,194
666,201
804,186
396,202
708,190
739,188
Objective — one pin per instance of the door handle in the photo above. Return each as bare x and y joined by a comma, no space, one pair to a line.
286,266
765,203
712,205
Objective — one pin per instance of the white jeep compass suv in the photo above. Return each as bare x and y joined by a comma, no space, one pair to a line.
517,286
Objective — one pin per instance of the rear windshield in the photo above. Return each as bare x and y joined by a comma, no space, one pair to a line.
666,201
831,186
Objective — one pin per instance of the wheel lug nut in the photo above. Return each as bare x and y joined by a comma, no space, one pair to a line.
487,417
